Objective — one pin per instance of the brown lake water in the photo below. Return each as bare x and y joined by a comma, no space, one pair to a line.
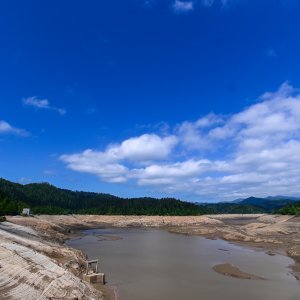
158,265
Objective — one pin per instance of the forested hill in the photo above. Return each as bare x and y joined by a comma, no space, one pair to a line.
291,209
45,198
257,205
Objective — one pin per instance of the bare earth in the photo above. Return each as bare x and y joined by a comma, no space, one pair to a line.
35,264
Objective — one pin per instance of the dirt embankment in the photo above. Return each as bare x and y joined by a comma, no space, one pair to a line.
270,232
34,267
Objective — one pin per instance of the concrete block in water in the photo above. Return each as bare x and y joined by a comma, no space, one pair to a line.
94,278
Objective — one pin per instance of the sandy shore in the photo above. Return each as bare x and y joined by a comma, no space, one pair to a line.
45,236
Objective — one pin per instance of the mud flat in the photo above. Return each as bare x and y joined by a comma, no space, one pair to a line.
228,269
45,235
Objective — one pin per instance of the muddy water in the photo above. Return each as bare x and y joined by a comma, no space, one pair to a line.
157,265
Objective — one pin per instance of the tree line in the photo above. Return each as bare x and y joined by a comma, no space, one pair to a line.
44,198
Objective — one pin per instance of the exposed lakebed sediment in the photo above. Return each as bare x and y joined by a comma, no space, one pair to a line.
228,269
273,234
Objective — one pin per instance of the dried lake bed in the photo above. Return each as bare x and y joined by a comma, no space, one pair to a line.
34,248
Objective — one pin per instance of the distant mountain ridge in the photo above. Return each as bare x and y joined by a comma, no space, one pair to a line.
283,197
269,198
269,204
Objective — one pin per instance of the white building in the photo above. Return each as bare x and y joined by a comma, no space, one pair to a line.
26,211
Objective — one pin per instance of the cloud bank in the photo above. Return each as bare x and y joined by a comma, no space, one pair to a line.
253,152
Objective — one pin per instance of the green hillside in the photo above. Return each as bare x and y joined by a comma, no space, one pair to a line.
44,198
234,208
291,209
269,205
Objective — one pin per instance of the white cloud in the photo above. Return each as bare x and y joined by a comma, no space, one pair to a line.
253,152
24,180
179,171
62,111
208,3
144,148
6,128
33,101
193,135
148,3
98,163
223,3
183,6
42,104
105,164
49,172
270,52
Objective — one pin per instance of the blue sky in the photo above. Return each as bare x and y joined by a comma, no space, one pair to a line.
192,99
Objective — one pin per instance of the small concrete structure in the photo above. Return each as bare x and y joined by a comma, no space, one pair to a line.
26,212
92,275
94,278
90,263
